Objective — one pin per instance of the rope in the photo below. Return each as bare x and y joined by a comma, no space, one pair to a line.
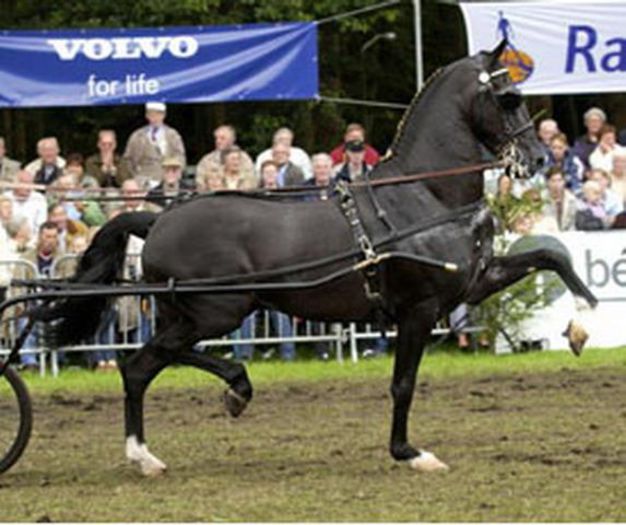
360,102
354,12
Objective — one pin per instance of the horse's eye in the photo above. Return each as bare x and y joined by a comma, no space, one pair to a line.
509,100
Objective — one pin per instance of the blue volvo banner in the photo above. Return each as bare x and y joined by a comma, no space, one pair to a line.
175,64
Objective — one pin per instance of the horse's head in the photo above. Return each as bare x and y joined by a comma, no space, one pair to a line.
499,116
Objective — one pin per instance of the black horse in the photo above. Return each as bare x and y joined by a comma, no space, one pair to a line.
468,105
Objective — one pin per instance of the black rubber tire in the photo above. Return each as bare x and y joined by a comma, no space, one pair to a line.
25,427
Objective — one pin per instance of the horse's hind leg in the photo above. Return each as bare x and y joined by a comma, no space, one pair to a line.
213,316
171,344
239,393
137,373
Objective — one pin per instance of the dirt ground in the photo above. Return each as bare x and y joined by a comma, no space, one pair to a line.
549,447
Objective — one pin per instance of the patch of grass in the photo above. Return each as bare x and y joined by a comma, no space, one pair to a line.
529,437
437,365
523,447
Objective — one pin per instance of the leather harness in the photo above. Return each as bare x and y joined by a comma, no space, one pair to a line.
370,260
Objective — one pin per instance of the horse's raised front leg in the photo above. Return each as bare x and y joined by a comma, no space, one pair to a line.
504,271
413,328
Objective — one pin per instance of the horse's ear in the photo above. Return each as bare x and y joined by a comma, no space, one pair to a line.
493,56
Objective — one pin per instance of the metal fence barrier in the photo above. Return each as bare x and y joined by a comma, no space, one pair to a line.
11,325
132,320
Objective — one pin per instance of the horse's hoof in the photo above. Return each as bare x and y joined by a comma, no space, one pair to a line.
427,462
153,469
577,337
235,403
150,465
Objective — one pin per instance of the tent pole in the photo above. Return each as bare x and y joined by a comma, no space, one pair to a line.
419,61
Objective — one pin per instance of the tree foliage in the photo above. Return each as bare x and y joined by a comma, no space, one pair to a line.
507,311
386,71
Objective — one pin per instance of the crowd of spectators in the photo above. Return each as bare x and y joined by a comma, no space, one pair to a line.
581,185
49,209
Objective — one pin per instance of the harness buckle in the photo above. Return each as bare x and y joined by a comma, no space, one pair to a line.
512,160
366,247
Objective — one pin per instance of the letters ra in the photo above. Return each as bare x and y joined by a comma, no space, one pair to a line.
582,44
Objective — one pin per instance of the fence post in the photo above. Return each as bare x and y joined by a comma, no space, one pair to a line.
354,351
338,329
54,363
42,362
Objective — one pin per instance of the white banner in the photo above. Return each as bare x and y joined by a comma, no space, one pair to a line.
554,47
599,259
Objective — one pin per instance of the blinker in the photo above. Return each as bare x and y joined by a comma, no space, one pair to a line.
509,100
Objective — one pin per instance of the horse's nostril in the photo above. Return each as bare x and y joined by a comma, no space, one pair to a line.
539,162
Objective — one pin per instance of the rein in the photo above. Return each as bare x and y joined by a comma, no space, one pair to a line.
387,181
431,174
297,190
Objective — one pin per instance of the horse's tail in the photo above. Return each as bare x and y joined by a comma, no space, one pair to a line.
79,317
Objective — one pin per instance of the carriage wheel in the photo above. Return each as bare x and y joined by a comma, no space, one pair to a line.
16,418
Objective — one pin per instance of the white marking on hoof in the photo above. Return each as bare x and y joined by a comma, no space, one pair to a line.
581,304
139,453
427,462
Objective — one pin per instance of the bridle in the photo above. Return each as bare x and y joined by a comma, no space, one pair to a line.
512,161
509,153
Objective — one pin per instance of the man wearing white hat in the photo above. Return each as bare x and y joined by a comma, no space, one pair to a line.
149,145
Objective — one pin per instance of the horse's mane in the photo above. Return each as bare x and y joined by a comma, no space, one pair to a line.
403,124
